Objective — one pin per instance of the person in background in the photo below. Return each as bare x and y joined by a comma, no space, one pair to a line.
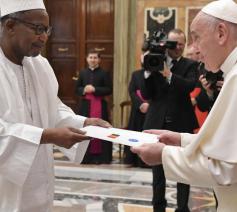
208,87
193,54
138,111
170,108
93,85
208,158
211,85
32,117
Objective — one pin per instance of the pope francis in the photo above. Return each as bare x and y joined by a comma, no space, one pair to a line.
209,158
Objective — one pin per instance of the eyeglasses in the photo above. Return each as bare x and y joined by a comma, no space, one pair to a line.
38,28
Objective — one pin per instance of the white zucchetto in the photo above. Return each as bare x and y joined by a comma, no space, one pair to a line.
11,6
223,9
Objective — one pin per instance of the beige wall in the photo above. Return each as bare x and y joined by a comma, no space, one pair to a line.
124,53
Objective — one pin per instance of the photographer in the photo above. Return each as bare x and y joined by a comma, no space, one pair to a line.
170,107
211,85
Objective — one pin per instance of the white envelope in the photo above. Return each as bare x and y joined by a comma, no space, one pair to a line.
120,136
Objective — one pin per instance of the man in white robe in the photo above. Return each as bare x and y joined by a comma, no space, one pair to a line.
209,158
32,118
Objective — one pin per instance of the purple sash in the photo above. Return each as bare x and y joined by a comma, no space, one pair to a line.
95,146
139,94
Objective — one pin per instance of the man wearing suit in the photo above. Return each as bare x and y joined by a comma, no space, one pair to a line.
171,108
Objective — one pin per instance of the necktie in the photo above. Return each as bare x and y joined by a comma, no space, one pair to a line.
174,62
173,66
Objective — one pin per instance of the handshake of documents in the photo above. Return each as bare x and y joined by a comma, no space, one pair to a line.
120,136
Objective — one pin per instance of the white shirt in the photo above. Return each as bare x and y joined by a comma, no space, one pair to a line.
26,167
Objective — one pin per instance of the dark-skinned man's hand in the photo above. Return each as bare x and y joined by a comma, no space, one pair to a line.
63,137
97,122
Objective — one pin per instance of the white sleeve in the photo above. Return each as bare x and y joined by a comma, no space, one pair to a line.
147,74
187,138
189,170
18,146
223,172
66,118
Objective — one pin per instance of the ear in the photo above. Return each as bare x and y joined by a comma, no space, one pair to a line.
9,26
223,33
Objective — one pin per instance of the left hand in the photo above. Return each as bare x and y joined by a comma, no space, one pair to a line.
97,122
167,137
151,154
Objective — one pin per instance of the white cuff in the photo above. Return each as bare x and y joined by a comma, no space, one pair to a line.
147,74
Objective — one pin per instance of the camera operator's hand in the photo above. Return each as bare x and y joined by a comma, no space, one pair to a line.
207,86
144,107
166,72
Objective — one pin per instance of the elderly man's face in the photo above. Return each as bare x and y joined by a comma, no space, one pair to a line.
30,33
203,36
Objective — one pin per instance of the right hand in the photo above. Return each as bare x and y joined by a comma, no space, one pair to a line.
166,72
63,137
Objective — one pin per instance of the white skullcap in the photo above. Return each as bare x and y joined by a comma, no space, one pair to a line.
12,6
223,9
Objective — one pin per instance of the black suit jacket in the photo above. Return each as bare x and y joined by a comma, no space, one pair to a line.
137,118
172,99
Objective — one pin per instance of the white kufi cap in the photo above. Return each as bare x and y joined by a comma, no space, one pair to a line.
12,6
223,9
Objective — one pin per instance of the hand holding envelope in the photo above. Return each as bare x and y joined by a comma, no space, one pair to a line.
151,154
120,136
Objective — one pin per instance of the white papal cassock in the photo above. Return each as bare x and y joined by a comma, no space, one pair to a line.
209,158
29,104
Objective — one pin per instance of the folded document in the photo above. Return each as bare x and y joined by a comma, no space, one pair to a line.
120,136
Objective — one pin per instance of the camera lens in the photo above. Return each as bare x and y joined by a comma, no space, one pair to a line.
154,61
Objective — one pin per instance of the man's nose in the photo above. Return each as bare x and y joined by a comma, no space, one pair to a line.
44,37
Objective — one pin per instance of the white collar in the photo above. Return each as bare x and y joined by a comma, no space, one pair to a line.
229,62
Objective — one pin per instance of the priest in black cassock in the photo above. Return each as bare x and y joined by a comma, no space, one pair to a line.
93,85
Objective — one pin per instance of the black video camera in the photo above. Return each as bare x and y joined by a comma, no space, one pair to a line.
157,45
212,78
